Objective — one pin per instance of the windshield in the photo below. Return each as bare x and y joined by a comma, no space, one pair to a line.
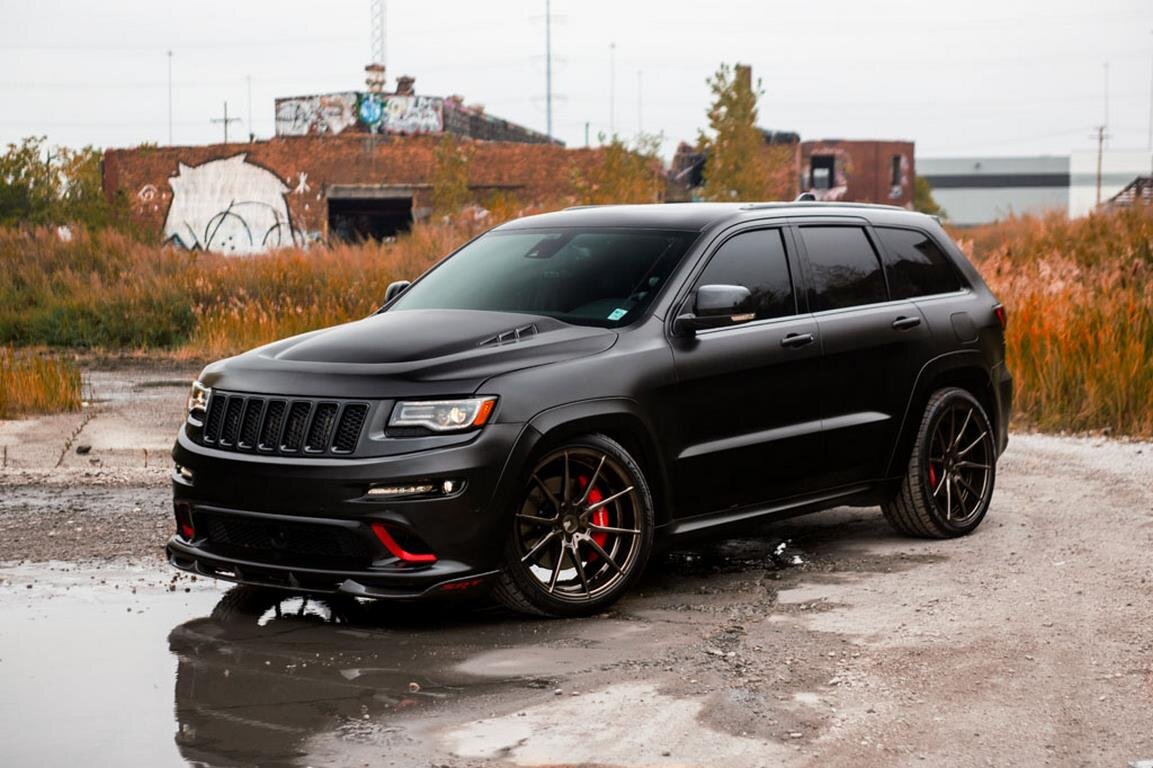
588,277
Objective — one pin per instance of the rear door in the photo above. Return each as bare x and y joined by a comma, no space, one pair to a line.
869,342
742,422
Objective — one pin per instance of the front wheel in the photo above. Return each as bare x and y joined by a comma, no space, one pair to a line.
949,481
581,533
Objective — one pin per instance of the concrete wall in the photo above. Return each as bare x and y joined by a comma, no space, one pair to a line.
242,198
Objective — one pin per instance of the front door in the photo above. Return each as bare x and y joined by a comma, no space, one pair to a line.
743,420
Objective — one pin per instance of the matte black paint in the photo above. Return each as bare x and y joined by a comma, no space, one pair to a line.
770,417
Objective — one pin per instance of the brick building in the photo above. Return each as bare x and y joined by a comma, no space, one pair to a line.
858,171
343,166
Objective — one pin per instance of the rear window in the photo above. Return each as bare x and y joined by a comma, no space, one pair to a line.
915,264
843,267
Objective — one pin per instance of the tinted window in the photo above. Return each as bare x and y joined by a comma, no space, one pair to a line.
757,261
588,277
843,267
915,265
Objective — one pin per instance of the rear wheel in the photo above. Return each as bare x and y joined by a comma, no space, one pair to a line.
949,481
581,533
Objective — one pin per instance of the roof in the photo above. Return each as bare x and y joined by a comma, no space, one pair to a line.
694,216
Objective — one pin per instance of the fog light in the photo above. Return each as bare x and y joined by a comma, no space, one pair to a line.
426,489
184,473
397,491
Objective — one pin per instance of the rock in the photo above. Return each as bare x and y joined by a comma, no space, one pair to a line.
82,450
414,687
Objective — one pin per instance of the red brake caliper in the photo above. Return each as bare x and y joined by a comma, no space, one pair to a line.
932,477
599,517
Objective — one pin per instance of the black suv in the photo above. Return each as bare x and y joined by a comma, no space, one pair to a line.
545,403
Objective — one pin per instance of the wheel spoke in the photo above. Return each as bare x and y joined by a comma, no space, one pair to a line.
952,427
610,529
961,481
548,494
536,520
540,545
580,569
601,551
556,569
948,499
960,497
940,483
964,426
565,488
593,481
602,502
974,444
971,465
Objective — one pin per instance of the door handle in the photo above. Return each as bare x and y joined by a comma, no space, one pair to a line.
797,340
903,323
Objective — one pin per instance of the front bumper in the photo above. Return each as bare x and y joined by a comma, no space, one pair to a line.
306,524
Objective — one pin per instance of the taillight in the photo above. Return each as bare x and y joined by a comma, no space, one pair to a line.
1002,316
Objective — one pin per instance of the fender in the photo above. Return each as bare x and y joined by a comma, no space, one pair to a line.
970,362
620,418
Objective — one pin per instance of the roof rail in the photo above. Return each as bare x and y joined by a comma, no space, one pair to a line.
820,204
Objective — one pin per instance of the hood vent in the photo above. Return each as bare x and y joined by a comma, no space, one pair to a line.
522,333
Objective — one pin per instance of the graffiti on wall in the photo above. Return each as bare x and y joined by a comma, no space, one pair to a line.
363,112
331,113
229,206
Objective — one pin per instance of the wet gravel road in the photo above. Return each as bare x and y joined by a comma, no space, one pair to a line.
820,641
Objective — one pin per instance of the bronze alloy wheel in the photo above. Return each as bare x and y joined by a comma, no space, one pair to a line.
582,530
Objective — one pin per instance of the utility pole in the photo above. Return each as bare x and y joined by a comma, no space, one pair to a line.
548,64
378,28
225,120
1101,135
612,91
1149,146
251,131
586,134
170,97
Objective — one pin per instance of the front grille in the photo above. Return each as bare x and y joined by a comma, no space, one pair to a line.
283,426
284,541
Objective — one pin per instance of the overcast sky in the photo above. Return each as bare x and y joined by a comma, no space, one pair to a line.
983,77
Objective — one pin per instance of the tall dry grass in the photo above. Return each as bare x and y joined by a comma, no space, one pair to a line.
36,383
1080,299
1079,294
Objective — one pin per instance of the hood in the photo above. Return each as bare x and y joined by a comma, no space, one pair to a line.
426,352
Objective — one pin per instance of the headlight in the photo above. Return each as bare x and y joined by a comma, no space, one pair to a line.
443,415
198,403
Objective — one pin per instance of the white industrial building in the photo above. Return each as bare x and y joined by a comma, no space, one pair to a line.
979,190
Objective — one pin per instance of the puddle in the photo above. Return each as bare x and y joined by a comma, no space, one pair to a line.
139,670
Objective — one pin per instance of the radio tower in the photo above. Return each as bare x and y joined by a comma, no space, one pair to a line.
377,24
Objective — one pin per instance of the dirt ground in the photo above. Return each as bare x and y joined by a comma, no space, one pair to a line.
824,640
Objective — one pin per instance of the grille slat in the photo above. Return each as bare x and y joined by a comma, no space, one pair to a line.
295,426
230,429
273,426
348,428
283,426
323,420
277,540
250,424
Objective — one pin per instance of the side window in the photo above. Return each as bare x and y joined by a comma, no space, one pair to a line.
757,261
844,268
915,265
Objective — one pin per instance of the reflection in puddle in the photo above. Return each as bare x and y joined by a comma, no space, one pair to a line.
257,680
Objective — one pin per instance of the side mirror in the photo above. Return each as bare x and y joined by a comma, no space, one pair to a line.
715,306
395,289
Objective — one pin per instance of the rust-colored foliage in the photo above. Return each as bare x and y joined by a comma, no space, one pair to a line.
32,382
1080,338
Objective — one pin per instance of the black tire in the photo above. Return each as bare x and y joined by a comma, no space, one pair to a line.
601,521
949,481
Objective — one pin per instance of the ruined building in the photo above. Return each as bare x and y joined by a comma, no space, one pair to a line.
347,165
